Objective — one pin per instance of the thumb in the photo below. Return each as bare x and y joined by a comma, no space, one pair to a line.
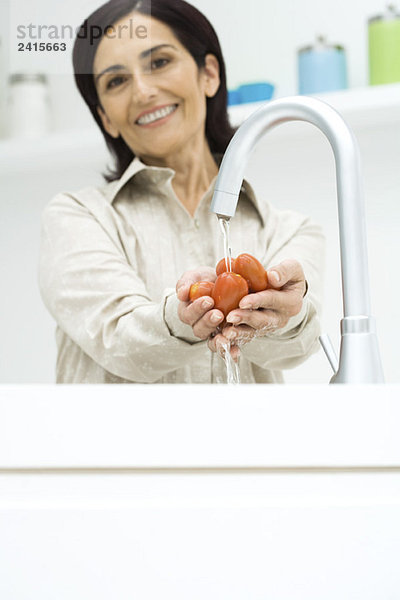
274,278
182,290
189,277
287,271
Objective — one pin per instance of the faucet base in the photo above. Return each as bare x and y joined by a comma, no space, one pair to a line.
359,360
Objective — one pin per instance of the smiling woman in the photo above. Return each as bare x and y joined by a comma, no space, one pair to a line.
190,37
117,261
134,82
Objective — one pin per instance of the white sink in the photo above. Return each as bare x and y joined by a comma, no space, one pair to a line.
199,492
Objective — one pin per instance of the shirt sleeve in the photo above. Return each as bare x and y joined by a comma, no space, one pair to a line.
100,302
291,345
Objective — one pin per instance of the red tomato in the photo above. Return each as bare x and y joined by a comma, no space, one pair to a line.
252,271
200,288
229,289
221,266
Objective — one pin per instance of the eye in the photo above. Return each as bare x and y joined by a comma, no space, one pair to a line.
157,61
115,81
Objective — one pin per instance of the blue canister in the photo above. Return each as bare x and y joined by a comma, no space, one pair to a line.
233,97
322,68
258,91
251,92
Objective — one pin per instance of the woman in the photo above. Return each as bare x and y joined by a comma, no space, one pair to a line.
117,262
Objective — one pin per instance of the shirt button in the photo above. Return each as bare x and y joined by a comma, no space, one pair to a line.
197,223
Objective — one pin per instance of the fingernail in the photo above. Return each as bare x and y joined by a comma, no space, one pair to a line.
233,319
231,335
275,275
245,306
207,304
215,318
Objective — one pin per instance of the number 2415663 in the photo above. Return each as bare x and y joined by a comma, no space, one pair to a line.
42,47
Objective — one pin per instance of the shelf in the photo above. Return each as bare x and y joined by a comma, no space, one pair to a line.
53,150
374,105
361,108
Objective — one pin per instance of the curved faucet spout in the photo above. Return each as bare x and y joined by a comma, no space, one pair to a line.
352,228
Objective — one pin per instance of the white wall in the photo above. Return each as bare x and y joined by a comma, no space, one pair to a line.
259,39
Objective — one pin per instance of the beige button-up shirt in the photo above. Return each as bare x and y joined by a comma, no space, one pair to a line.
109,262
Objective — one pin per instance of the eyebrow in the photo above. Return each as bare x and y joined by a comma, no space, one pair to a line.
142,55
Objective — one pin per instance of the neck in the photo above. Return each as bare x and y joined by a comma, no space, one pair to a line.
194,171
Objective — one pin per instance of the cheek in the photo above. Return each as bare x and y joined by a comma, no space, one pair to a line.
185,85
117,105
194,101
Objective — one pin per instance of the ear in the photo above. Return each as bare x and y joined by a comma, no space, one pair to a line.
211,75
108,126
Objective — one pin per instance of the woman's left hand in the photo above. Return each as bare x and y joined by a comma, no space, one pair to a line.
264,312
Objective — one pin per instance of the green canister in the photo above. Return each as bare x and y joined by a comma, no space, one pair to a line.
384,47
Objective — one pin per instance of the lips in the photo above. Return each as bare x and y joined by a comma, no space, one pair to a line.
156,114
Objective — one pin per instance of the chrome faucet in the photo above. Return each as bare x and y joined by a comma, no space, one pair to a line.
359,360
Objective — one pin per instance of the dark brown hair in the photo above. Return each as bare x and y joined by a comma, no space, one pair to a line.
194,32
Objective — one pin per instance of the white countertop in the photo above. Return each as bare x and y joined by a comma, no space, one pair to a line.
206,492
150,427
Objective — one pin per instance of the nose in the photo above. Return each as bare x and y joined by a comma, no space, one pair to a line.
143,89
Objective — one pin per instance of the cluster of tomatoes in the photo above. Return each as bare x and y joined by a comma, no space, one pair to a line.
247,276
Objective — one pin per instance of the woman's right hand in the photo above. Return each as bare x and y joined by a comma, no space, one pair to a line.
199,314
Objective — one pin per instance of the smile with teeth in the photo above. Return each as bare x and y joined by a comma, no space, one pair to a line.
156,115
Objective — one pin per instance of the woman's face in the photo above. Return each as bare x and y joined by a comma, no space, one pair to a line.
136,75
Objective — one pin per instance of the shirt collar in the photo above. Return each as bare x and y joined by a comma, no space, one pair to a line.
161,174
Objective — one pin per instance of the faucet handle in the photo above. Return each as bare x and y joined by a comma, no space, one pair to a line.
329,350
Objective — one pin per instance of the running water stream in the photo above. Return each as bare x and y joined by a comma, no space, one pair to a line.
232,368
224,224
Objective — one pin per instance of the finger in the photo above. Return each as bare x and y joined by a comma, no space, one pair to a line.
220,345
235,352
260,320
270,299
191,312
183,289
207,324
289,270
217,342
287,300
239,335
282,306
